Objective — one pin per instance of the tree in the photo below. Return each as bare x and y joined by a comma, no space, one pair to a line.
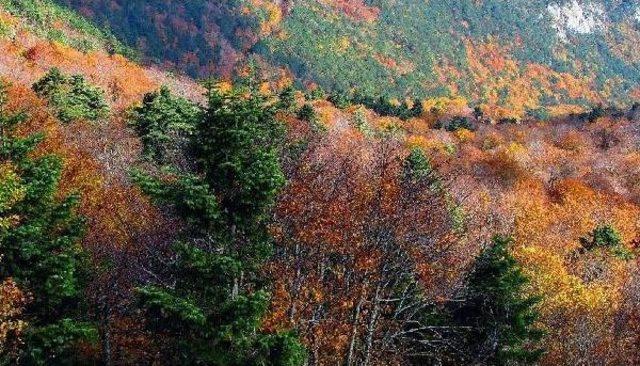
340,99
601,236
164,123
236,146
12,302
71,96
605,237
417,109
39,240
287,98
500,316
211,313
360,234
459,123
306,113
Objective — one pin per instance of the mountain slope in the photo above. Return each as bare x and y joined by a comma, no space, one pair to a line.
518,55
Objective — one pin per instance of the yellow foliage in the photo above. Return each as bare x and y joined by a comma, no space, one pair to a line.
464,135
446,105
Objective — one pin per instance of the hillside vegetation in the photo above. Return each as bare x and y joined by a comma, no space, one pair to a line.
149,219
517,57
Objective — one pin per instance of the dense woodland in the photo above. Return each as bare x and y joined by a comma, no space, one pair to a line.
148,219
516,57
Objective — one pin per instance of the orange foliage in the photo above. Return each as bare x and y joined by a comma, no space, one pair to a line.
508,89
348,228
120,221
563,180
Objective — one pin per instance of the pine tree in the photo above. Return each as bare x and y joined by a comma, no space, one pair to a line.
287,98
164,123
501,317
307,113
71,96
39,243
417,109
212,313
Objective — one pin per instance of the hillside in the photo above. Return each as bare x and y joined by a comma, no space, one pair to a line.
148,219
520,55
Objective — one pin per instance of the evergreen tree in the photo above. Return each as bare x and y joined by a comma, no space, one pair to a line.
601,236
211,314
458,123
306,113
417,166
164,123
39,245
71,96
605,237
287,98
340,99
500,316
316,94
417,109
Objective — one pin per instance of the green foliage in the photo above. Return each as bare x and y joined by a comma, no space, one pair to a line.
361,123
164,123
417,109
458,123
539,114
340,99
44,17
606,237
396,52
209,324
287,98
502,318
307,113
384,107
417,166
596,113
71,97
191,198
236,146
40,247
212,313
601,236
316,94
150,29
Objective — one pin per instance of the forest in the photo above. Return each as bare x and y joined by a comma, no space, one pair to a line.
148,218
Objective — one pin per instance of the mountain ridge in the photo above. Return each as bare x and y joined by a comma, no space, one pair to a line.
402,48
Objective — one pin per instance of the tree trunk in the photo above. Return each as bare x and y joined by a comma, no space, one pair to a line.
106,332
372,325
354,330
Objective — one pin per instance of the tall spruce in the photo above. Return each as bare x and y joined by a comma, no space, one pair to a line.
499,314
39,242
212,312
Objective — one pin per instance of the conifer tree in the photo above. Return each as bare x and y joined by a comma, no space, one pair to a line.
39,242
71,96
501,317
212,313
164,123
287,98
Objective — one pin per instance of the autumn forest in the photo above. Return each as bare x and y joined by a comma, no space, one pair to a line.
319,182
